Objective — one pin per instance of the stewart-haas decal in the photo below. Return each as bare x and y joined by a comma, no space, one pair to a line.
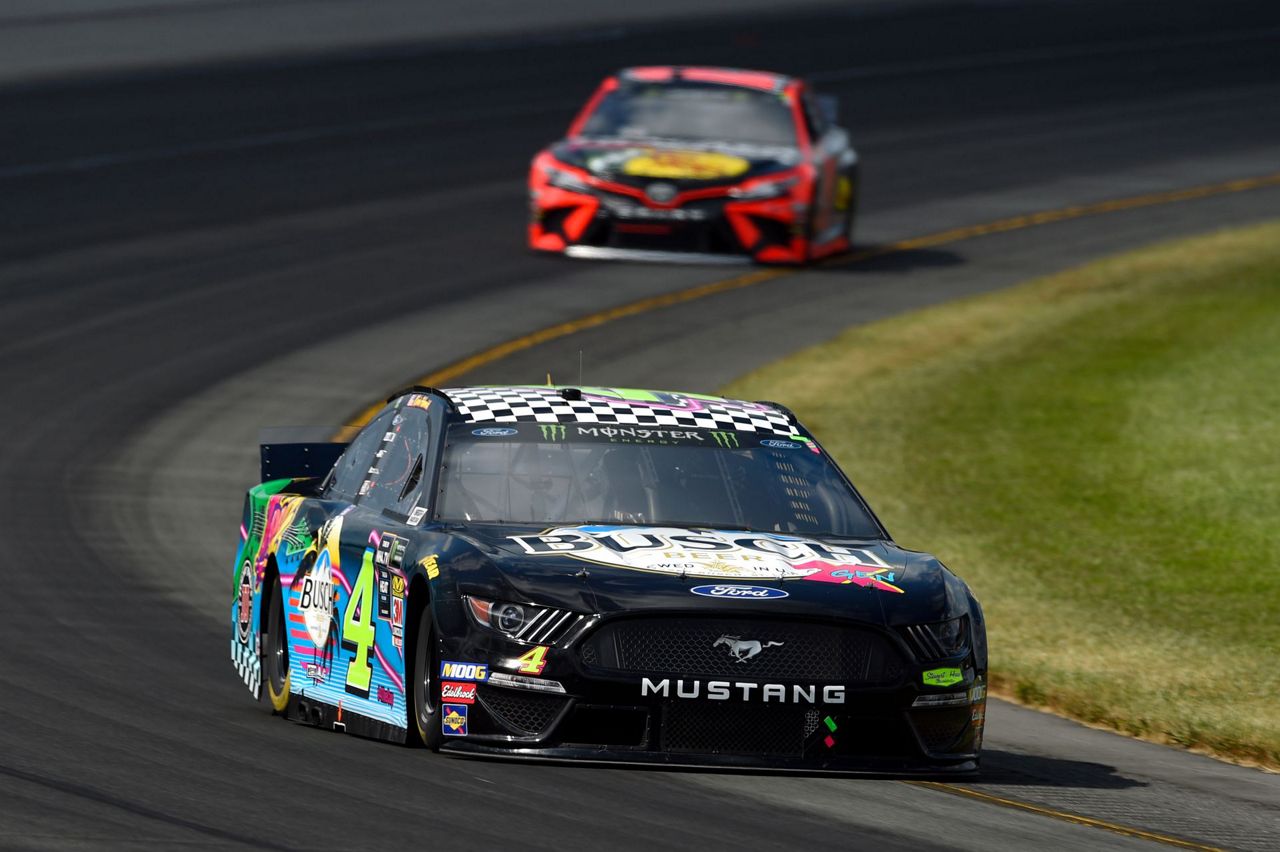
731,554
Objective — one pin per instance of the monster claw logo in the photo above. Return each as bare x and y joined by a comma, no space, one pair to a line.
725,439
552,431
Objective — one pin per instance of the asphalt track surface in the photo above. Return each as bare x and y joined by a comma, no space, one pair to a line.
190,256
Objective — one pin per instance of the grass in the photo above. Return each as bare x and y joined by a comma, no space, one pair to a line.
1098,454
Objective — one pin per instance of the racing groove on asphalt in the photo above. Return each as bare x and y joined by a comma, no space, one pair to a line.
371,210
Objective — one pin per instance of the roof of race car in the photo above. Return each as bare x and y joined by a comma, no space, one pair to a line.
626,406
766,80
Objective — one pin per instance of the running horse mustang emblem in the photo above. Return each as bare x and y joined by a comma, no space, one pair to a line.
743,649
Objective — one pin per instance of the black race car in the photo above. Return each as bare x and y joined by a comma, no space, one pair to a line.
606,574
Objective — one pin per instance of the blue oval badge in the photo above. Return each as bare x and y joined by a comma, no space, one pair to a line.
740,592
494,432
779,445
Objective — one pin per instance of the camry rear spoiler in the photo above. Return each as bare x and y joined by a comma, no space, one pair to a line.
297,452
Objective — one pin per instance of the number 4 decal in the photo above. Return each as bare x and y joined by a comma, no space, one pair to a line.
533,662
358,630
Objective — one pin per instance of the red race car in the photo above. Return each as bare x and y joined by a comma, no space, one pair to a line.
683,163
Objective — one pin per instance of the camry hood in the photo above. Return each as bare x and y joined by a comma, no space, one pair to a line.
636,568
688,165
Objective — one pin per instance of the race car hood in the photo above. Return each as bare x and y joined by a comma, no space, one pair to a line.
687,165
633,568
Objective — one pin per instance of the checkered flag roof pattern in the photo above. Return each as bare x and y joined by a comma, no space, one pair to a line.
672,410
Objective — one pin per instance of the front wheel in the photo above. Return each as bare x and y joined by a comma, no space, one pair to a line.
275,661
425,691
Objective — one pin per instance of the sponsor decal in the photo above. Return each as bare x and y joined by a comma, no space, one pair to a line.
464,671
724,690
639,435
684,165
775,444
453,720
316,597
552,431
386,696
829,741
725,439
397,622
721,554
432,566
458,693
244,601
416,515
494,432
740,592
744,649
397,585
942,677
533,662
419,400
391,550
316,672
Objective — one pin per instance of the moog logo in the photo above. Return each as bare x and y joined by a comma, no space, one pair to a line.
463,671
732,591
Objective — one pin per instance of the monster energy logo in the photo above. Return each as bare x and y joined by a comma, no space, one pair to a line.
552,432
725,439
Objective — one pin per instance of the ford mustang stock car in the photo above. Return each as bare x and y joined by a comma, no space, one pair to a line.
673,162
601,573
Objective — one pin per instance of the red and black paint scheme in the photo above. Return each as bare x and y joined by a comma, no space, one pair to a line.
602,574
680,163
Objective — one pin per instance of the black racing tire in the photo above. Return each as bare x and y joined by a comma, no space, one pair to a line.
424,690
275,649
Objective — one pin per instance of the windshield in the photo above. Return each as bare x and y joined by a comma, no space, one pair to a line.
693,111
577,473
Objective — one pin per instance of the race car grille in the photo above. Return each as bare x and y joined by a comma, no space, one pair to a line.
755,649
941,731
708,728
528,713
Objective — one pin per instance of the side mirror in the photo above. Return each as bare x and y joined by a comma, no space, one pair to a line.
829,105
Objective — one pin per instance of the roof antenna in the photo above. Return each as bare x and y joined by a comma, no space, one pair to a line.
579,368
549,379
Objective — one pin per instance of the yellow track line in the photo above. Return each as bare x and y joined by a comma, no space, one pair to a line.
1063,815
750,279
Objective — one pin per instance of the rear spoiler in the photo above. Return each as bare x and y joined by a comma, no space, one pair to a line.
298,452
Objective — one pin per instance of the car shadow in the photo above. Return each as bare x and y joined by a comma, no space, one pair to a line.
1032,770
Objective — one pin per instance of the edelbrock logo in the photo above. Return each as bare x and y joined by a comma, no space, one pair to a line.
740,592
493,432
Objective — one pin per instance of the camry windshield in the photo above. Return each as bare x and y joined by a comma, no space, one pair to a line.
576,473
692,111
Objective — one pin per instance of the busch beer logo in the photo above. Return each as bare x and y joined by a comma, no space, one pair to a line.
715,553
724,690
459,693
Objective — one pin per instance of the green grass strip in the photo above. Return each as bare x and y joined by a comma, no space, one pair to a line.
1098,454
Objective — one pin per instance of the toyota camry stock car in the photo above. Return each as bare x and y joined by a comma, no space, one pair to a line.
601,573
672,162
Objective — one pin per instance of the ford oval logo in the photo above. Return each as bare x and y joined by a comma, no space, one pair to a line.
780,445
493,432
747,592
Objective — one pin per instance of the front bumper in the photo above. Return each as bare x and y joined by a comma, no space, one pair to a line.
611,716
602,224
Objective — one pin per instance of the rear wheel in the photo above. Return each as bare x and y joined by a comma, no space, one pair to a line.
425,690
275,651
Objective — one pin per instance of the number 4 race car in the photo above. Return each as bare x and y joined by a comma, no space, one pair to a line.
601,573
678,162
